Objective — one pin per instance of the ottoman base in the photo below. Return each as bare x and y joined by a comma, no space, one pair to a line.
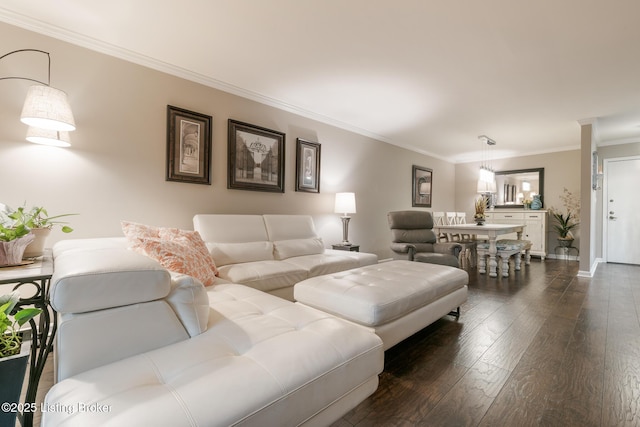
400,329
395,299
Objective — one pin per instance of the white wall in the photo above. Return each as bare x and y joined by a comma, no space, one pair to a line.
116,167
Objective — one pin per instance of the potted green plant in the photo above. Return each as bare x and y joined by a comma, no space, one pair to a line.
37,219
563,226
480,207
13,242
566,221
13,354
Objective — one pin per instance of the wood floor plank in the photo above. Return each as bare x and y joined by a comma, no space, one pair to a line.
578,390
468,400
621,405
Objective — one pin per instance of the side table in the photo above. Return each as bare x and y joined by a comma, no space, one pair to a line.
351,248
34,279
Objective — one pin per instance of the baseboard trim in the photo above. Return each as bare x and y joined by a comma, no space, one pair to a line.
592,270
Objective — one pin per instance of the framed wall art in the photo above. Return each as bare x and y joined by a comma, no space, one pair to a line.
307,166
188,146
256,158
422,180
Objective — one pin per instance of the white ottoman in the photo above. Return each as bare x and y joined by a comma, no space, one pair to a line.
396,299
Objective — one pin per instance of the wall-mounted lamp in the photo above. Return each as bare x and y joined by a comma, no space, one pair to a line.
345,204
56,138
596,173
45,107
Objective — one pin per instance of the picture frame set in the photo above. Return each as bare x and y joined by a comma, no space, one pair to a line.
307,166
255,158
188,146
422,186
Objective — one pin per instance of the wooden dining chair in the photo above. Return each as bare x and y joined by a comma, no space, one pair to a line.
439,219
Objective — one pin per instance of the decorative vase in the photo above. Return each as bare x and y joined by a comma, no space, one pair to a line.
565,242
479,221
11,252
536,203
36,248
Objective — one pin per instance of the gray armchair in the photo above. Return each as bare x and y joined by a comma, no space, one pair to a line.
412,238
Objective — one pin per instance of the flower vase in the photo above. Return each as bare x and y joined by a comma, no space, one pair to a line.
536,203
36,248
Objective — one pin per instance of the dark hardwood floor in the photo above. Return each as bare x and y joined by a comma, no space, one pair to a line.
540,348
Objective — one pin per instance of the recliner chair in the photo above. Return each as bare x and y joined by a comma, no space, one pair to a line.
413,239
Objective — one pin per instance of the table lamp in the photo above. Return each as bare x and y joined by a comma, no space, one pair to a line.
345,204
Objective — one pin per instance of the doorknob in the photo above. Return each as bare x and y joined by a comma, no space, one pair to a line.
612,217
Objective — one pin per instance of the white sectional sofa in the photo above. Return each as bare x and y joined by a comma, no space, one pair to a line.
138,345
272,252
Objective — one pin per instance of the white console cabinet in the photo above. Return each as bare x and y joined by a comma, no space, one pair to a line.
535,220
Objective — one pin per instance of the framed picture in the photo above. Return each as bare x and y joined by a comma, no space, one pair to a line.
256,158
307,166
422,185
188,146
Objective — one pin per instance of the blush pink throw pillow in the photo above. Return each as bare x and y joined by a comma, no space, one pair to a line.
182,251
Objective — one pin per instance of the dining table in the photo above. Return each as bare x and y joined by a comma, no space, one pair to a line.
485,229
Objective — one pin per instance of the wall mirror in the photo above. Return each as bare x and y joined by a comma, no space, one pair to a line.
515,186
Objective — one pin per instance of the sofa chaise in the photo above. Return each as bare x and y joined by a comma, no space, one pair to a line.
138,345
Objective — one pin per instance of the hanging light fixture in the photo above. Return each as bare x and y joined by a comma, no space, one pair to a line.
45,107
487,176
56,138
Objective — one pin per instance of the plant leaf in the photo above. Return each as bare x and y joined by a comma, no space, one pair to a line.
23,316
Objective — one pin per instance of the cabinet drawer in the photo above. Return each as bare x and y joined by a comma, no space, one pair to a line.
534,216
508,215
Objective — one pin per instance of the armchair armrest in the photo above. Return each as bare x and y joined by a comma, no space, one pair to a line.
404,248
450,248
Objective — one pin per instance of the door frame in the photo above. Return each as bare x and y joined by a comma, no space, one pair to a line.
605,198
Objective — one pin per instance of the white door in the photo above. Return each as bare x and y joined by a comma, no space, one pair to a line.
622,215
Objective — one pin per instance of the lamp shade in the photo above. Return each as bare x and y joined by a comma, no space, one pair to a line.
48,137
345,203
47,107
486,187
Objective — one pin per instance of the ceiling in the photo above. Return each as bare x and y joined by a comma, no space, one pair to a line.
427,75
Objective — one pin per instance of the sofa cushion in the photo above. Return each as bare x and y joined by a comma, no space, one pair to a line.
88,280
191,239
283,249
362,258
134,231
320,264
236,253
179,257
264,275
182,251
218,228
289,227
189,300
